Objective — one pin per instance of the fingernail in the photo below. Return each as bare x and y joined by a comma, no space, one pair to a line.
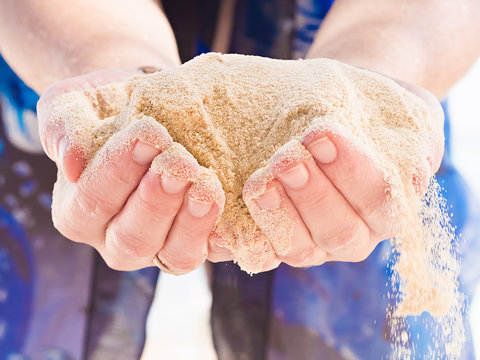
144,153
323,150
198,208
295,177
269,200
172,185
62,148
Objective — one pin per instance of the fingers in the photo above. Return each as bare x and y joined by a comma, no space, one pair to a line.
334,197
71,159
170,210
65,150
187,243
293,193
334,226
139,231
59,113
355,177
81,211
279,220
303,250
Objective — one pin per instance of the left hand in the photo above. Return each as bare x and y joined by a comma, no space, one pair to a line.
335,198
133,213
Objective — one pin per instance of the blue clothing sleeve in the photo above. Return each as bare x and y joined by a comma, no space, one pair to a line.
18,103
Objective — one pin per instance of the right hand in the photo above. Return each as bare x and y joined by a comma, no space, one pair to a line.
123,208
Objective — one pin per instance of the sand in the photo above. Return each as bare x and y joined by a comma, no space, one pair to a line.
234,112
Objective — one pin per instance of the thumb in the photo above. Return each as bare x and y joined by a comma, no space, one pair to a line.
57,144
71,160
69,105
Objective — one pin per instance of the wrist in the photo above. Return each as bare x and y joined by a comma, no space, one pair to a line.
122,57
383,59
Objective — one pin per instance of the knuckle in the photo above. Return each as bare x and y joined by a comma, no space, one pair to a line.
63,228
128,244
153,203
310,199
66,225
90,206
119,177
348,171
194,230
339,238
372,210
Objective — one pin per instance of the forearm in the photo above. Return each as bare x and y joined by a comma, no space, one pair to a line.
431,43
48,40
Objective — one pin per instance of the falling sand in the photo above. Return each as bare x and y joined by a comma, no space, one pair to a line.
234,113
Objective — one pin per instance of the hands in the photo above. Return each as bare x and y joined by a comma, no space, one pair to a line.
144,195
141,195
334,195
